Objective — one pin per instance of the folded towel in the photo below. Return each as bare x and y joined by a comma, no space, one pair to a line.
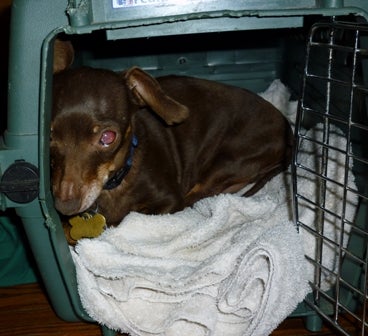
227,266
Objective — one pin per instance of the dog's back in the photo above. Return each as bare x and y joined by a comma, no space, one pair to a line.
231,138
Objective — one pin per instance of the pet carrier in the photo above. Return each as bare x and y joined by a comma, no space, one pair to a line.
318,48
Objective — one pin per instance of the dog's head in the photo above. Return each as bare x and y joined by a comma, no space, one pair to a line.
92,130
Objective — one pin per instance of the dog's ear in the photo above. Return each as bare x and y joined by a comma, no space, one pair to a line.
63,55
148,92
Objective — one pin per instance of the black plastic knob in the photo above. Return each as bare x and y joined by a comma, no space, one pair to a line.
20,182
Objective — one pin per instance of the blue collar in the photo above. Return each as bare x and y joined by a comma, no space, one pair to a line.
114,181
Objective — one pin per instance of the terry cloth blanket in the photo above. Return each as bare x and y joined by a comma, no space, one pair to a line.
226,266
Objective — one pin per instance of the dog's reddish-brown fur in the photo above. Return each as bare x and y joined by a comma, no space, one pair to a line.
196,138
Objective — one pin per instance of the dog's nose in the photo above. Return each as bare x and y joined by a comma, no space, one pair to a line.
67,198
68,207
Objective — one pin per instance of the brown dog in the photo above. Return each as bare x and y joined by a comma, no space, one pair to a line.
129,142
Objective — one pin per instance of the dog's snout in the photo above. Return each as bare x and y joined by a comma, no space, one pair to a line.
65,190
72,196
68,208
66,197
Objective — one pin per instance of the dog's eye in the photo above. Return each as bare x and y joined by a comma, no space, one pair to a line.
107,138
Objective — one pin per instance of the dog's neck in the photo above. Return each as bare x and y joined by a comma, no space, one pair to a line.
116,179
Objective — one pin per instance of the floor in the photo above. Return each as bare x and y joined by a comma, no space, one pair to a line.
25,311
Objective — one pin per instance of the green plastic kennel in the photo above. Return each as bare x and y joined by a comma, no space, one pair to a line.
318,48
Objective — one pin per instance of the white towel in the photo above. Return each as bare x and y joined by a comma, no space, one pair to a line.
227,266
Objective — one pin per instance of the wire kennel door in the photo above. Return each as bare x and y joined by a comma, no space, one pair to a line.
332,126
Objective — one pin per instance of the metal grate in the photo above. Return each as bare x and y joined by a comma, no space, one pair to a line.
330,188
